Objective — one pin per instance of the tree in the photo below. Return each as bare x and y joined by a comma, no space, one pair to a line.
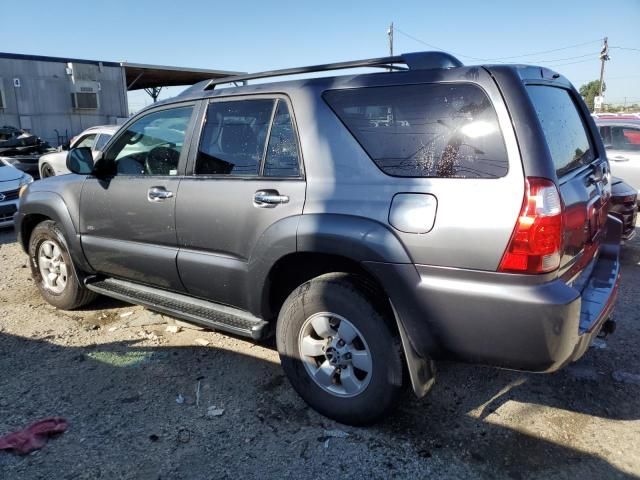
590,90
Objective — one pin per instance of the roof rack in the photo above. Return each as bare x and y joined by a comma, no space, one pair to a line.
414,61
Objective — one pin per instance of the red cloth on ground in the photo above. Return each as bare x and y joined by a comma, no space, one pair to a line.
34,436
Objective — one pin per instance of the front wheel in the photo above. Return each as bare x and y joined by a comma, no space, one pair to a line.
47,171
339,349
53,270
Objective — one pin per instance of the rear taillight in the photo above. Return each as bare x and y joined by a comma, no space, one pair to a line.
536,242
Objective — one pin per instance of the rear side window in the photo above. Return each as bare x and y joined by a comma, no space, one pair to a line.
429,130
234,137
102,141
282,152
563,128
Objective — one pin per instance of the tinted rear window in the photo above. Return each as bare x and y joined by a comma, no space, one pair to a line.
429,130
563,128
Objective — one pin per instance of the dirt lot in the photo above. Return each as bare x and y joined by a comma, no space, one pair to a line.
116,375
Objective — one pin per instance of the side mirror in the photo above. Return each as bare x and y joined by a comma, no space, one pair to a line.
80,160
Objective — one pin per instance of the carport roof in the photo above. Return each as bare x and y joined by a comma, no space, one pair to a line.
139,75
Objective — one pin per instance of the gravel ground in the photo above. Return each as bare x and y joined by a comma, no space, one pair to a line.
115,372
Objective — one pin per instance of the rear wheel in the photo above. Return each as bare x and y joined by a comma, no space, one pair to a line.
53,269
47,171
339,349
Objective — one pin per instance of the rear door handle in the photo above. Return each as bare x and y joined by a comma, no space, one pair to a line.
269,198
157,194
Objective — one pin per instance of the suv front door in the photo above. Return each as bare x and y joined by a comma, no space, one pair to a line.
127,220
623,151
244,177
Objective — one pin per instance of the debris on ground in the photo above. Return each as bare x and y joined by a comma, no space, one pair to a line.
214,411
126,314
147,318
117,359
172,329
335,433
599,343
180,399
202,342
187,325
626,377
33,437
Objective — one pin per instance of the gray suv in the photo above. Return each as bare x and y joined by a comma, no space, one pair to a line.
371,222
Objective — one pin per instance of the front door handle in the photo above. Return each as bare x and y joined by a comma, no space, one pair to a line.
269,198
157,194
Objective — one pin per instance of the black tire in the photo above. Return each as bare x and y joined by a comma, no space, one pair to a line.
349,297
74,294
47,171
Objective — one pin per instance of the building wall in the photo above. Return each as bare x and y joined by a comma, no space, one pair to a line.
42,103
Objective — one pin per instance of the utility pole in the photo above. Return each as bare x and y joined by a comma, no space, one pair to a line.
390,35
604,56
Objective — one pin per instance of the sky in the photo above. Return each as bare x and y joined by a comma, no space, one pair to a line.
265,35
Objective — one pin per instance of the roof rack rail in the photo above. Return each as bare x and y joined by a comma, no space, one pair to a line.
414,61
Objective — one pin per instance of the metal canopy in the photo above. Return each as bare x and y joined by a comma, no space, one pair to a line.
139,76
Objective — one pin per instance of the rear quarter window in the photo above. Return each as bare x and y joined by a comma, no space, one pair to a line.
564,129
428,130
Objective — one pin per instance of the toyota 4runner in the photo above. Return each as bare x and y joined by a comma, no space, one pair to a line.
372,222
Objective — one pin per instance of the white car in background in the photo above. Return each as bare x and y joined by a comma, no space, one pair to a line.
621,138
96,138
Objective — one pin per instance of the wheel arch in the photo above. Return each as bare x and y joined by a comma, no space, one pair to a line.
338,243
41,206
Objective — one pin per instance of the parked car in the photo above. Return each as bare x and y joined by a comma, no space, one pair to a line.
468,222
94,138
621,138
624,206
11,180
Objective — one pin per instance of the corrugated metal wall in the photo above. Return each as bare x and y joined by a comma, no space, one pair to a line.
42,102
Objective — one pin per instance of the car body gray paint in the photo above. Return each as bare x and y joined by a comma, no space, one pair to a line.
348,197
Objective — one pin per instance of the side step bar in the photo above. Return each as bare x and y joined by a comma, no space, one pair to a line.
209,314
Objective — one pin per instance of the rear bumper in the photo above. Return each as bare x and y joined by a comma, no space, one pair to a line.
522,322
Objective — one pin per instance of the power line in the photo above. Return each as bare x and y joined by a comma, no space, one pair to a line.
430,45
627,48
573,63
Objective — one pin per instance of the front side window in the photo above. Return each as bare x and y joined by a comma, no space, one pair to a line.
152,144
563,128
429,130
87,141
626,139
234,137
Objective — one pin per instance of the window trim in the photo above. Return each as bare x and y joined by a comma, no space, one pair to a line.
193,151
450,82
186,146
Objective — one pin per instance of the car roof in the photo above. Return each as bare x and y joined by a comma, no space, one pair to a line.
629,122
102,129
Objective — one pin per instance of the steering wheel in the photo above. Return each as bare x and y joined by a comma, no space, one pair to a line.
161,160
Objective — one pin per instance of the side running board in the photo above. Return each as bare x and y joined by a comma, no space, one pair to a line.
209,314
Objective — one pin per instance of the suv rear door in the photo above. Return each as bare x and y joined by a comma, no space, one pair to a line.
582,172
243,179
127,211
